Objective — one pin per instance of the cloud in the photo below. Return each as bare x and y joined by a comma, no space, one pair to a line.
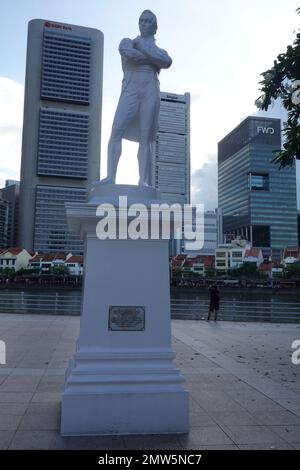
128,165
204,184
11,117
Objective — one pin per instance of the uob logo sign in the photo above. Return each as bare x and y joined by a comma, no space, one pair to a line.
265,130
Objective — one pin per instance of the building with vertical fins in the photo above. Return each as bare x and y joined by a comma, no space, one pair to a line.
258,200
171,153
3,222
10,194
61,130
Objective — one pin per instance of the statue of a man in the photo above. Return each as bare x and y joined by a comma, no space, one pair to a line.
136,116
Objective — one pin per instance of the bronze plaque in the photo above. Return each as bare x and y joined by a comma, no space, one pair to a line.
126,318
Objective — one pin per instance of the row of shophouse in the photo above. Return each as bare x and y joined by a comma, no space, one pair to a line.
227,257
19,258
231,256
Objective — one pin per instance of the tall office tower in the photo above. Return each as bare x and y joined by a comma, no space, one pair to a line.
3,222
257,199
209,226
171,154
61,130
212,232
10,194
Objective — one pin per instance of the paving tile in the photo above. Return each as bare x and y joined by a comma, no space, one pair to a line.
95,443
253,435
289,433
220,447
51,378
224,404
47,407
296,445
43,421
35,440
46,397
220,363
200,418
9,422
15,397
206,435
235,419
280,446
20,384
277,418
13,408
5,439
27,371
3,377
152,442
57,386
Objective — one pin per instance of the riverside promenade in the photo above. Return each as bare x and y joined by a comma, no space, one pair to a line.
244,389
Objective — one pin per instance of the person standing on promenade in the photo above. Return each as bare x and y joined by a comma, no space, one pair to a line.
214,301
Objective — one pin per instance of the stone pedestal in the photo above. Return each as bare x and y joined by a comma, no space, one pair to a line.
122,379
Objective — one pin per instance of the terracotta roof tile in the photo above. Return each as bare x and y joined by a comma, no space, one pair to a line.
253,252
75,259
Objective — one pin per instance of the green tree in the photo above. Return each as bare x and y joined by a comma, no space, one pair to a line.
32,271
177,272
282,81
210,272
247,269
8,272
60,270
293,270
21,272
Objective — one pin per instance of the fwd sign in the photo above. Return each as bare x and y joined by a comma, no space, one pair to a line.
265,130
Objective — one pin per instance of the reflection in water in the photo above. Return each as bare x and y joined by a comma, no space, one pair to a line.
247,305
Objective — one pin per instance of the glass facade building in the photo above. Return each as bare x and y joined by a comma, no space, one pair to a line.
66,67
171,154
10,194
50,231
61,131
63,143
257,199
3,223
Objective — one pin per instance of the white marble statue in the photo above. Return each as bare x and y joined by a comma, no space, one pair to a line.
136,116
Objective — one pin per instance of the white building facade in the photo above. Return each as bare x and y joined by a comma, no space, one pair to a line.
171,153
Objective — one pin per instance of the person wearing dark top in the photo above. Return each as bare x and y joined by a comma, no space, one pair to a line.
214,301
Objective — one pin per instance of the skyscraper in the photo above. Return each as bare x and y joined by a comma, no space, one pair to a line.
3,223
61,130
257,199
171,153
209,226
10,194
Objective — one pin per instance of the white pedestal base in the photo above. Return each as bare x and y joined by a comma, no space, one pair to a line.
125,413
123,381
141,394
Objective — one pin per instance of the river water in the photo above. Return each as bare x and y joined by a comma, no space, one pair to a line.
235,304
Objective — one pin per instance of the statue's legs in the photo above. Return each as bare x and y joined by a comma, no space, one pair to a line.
126,110
144,158
147,114
114,152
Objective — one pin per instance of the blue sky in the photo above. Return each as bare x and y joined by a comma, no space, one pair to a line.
218,47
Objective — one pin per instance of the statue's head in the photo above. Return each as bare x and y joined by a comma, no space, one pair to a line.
147,23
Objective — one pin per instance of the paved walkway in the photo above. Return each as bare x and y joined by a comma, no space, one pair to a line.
244,390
